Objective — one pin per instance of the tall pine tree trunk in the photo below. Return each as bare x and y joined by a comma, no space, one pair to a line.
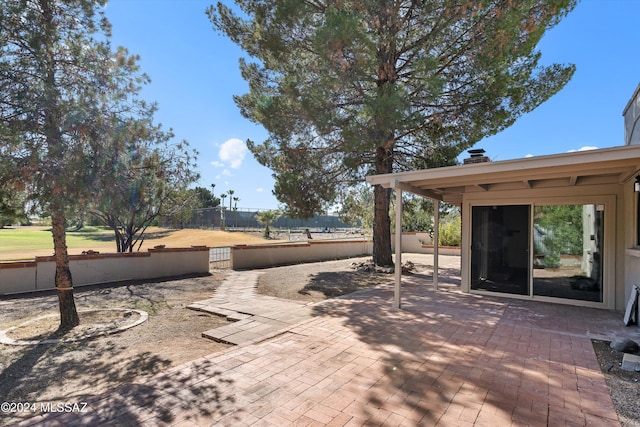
56,153
387,76
381,221
64,283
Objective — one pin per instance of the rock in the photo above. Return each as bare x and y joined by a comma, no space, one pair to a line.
408,267
369,267
624,345
631,362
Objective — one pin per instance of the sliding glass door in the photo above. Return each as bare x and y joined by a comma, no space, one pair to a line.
568,250
568,244
500,249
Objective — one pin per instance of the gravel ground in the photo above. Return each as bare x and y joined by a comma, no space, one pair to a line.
624,386
318,281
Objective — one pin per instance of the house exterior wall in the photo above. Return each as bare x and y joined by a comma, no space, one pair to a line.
615,197
631,248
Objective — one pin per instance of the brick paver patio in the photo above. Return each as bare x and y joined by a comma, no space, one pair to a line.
445,359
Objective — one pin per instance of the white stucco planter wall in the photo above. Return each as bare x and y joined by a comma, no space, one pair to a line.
38,275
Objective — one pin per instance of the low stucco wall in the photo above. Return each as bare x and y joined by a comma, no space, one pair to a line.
442,250
244,257
412,242
421,243
38,275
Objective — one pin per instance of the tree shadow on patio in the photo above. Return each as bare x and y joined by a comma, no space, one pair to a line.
335,284
438,359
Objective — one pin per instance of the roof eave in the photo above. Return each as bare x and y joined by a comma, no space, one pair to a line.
595,157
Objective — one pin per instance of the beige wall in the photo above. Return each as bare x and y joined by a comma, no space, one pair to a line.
245,257
617,286
17,277
631,250
413,242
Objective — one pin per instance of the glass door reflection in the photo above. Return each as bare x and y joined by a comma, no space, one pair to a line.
568,242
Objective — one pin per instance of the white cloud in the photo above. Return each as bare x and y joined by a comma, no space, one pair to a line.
529,155
259,190
585,148
217,164
232,153
226,172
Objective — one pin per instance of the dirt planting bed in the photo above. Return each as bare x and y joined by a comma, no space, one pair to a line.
72,372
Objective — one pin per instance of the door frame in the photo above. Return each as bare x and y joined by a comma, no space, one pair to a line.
608,264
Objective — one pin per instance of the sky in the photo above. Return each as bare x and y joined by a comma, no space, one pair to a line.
194,74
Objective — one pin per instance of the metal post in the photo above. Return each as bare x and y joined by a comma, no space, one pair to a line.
436,234
398,263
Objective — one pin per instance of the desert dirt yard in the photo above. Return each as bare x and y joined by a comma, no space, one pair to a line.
73,371
65,372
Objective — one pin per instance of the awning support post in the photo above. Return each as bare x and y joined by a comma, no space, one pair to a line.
436,235
398,244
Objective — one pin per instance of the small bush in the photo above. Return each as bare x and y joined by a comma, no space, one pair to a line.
449,235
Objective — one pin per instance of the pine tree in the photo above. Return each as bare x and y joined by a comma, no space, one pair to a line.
61,87
350,88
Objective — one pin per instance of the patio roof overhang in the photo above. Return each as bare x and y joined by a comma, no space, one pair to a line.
602,166
594,167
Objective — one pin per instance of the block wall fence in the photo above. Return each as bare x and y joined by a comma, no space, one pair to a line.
38,275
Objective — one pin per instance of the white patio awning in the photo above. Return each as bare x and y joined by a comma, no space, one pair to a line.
593,167
602,166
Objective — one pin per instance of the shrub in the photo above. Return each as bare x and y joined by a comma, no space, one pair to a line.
449,234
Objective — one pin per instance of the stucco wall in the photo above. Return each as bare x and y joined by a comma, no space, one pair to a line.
412,242
18,277
631,249
245,257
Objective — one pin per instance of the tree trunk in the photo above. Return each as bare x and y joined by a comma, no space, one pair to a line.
381,221
64,283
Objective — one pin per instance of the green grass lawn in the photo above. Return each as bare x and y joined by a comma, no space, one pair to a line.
24,239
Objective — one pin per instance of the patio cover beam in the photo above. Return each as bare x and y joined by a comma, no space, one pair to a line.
396,184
